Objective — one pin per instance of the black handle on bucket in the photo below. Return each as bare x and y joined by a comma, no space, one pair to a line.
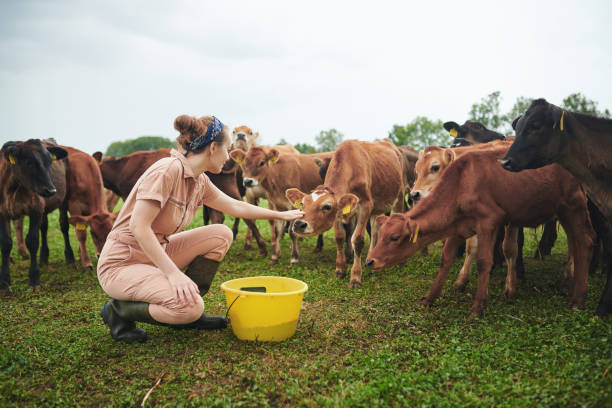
228,309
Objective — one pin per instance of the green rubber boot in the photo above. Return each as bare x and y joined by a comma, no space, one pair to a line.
117,314
202,271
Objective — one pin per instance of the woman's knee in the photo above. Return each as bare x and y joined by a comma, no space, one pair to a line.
190,313
226,233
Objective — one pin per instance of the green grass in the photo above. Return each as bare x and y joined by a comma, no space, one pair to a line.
371,346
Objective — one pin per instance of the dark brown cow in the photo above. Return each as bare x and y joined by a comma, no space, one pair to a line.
471,133
276,172
364,179
476,196
24,171
582,144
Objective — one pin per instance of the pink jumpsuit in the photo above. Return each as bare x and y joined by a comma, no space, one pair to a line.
126,273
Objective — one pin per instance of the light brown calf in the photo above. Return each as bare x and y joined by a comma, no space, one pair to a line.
363,179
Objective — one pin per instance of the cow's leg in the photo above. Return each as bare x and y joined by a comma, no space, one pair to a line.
484,262
319,246
520,266
580,241
32,242
6,244
21,247
205,214
464,273
510,248
373,232
81,235
358,242
340,236
604,308
276,246
295,255
261,243
448,257
64,227
215,217
547,241
235,227
248,238
44,245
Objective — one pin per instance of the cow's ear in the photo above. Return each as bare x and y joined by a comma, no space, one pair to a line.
80,222
273,156
449,156
58,152
10,151
255,135
348,203
450,126
294,196
381,219
237,155
515,121
98,157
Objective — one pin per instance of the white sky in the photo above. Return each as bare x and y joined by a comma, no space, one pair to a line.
92,72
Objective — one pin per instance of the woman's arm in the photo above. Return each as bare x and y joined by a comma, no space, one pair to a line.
241,209
143,216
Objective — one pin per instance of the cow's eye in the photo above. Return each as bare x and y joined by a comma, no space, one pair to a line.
435,168
261,163
326,207
394,238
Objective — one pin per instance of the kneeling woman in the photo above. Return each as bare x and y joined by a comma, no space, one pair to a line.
141,262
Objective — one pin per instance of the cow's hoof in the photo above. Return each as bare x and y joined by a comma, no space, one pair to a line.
317,250
476,311
4,292
35,288
355,285
272,261
459,287
247,246
340,274
508,295
577,304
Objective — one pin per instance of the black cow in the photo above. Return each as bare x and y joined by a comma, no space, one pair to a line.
471,133
582,144
24,171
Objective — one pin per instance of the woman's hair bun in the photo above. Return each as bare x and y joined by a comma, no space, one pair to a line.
189,124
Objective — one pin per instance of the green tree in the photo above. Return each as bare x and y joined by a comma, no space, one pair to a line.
282,142
577,102
328,140
140,143
419,133
487,111
305,148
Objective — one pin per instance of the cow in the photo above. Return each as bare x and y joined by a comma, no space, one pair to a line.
276,172
364,179
244,138
582,144
432,163
476,196
471,133
26,181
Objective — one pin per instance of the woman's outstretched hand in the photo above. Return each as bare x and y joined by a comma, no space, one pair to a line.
290,215
184,289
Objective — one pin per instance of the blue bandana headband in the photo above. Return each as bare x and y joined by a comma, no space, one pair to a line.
202,141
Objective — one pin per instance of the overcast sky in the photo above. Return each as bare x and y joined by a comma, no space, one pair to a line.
92,72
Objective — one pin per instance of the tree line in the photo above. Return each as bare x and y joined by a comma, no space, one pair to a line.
418,133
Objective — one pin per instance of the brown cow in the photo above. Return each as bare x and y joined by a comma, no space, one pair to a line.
582,144
363,179
476,196
25,174
244,138
276,172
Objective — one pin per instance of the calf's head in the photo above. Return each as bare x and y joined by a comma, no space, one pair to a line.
321,209
429,167
471,133
540,137
256,164
243,138
398,239
31,161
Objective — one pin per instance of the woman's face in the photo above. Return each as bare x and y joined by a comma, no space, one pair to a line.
219,154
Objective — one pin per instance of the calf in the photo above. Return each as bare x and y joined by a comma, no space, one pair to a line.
582,144
476,196
276,172
24,171
363,179
471,133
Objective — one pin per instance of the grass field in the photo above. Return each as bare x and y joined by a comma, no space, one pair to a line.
367,347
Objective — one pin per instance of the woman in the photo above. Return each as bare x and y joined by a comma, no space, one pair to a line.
141,262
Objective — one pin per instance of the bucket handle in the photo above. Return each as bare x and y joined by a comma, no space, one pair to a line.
228,309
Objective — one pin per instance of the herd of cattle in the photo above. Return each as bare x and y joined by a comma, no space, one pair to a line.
484,189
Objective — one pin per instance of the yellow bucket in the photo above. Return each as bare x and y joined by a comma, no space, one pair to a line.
269,316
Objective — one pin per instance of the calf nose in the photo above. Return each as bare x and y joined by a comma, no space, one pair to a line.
247,182
299,225
415,195
241,136
48,192
369,263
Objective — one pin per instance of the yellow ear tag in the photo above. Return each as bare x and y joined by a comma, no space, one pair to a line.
274,160
54,157
346,209
416,234
99,163
453,133
298,204
80,226
11,159
239,160
561,121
